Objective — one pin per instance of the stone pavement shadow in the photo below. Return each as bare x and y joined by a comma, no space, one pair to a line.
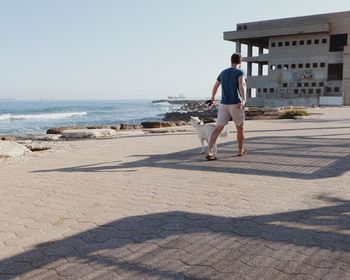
308,158
303,244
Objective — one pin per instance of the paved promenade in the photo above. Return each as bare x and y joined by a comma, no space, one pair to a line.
151,207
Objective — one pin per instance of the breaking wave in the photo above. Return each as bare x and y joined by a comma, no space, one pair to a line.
51,116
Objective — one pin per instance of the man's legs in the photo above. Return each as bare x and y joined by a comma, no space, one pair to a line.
240,138
214,136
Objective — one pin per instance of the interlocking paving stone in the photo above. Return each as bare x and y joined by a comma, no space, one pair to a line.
152,208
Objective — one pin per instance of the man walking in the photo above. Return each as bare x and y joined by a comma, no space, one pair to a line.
234,92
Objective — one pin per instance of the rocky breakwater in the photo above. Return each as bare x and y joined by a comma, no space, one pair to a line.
108,131
90,132
188,108
198,108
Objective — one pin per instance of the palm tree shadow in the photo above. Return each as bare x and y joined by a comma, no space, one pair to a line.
185,245
306,158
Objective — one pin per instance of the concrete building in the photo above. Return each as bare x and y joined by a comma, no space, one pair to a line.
301,61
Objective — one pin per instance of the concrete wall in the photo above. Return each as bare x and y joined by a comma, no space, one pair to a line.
312,77
339,22
283,102
331,101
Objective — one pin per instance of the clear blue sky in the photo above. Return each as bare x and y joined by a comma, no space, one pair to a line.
117,49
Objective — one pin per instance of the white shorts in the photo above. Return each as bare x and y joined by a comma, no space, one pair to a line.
226,111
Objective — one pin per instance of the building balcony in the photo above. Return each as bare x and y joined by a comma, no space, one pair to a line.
264,57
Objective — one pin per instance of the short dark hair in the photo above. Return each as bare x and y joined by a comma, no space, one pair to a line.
236,58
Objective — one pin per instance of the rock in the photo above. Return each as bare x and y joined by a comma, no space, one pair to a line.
72,134
157,124
130,126
12,149
36,145
186,116
260,113
8,138
59,130
210,120
99,127
116,126
43,137
181,123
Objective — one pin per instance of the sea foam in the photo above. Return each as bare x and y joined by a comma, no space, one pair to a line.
51,116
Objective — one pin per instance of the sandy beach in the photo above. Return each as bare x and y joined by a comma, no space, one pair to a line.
151,207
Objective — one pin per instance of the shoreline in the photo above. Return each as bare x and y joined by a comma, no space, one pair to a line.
157,121
176,118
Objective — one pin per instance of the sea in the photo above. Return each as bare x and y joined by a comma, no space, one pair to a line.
35,117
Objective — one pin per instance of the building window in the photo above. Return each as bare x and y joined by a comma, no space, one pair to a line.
335,72
299,85
306,84
301,42
280,44
317,41
286,44
307,65
296,90
324,41
245,27
279,66
318,90
285,84
265,90
285,66
252,92
321,84
259,90
313,84
294,43
311,90
273,44
315,65
293,66
309,42
272,67
338,42
303,90
329,89
271,90
336,89
300,65
322,64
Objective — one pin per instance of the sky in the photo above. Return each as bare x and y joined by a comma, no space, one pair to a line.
117,49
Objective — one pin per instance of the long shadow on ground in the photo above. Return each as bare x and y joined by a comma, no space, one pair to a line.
290,157
305,244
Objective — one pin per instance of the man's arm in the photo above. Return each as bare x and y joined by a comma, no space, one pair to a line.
214,91
242,90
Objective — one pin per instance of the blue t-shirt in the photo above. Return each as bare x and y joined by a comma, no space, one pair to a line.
229,85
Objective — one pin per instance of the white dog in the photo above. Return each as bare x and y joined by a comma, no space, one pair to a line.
204,131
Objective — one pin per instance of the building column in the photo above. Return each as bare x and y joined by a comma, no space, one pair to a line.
260,69
238,47
346,76
249,64
261,50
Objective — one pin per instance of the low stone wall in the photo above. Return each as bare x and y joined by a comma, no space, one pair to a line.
311,101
